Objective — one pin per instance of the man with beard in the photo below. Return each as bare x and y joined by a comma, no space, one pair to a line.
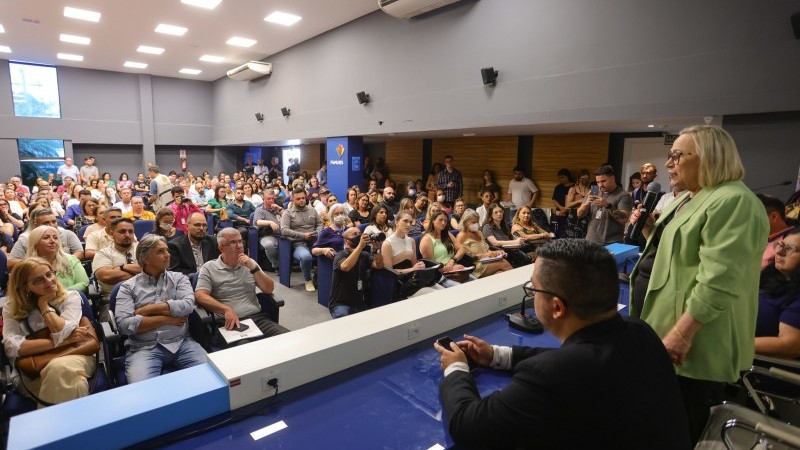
189,252
389,202
522,191
115,263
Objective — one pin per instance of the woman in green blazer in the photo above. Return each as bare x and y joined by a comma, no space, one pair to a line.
697,281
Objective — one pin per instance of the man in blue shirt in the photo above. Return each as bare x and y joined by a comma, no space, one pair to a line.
152,308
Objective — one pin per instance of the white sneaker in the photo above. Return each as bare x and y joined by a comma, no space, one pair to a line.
310,286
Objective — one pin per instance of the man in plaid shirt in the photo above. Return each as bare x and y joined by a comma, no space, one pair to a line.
450,181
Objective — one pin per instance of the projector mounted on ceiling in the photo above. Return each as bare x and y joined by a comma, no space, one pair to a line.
406,9
250,71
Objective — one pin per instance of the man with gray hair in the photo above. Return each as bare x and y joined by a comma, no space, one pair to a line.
160,188
151,309
225,285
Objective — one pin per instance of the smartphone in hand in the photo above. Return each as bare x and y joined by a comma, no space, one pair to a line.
445,342
595,191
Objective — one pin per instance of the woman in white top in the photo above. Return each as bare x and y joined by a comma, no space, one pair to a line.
251,196
399,251
379,221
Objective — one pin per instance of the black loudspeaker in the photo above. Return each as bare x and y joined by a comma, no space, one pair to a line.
489,76
259,117
796,25
285,111
363,97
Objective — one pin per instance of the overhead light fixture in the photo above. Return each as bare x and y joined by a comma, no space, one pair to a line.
282,18
173,30
294,142
212,58
285,111
468,135
69,57
241,42
188,71
2,30
363,97
72,39
135,65
489,76
207,4
5,49
651,126
150,50
81,14
259,117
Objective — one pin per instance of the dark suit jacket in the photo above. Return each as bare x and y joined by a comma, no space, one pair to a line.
610,385
181,257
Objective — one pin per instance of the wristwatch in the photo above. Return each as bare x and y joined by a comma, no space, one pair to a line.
257,269
48,310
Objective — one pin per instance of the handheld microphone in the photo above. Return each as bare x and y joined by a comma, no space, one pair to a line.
649,202
524,322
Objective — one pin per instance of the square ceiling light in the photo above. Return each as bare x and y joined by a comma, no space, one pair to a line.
173,30
241,42
188,71
69,57
282,18
135,65
212,58
207,4
72,39
150,50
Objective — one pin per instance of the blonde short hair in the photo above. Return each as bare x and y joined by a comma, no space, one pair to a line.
719,157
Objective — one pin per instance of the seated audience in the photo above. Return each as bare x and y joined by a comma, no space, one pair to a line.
88,213
189,252
251,195
455,216
390,202
137,211
483,209
44,217
379,221
437,244
360,214
226,285
523,227
268,220
37,301
351,201
165,225
301,224
778,228
181,207
559,398
218,204
152,309
239,211
15,202
778,323
10,223
351,272
102,238
74,210
498,235
472,241
115,263
125,203
330,241
400,251
44,242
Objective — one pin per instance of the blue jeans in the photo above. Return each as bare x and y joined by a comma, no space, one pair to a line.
148,363
342,310
302,254
270,245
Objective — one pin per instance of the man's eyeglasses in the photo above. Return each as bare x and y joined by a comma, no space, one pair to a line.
235,243
784,249
49,275
674,156
530,291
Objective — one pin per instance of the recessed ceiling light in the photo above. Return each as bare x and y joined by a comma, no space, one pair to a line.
241,42
2,30
72,39
81,14
468,134
135,65
207,4
5,49
212,58
171,29
151,50
190,71
282,18
70,57
651,126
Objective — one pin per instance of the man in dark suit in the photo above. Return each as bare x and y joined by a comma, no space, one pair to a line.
610,385
190,251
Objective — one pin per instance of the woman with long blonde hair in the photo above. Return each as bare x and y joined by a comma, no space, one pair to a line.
44,242
37,304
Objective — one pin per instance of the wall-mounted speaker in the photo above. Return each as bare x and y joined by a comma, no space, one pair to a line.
489,76
259,117
363,97
285,111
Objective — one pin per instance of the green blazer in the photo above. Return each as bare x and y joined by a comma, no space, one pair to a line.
708,263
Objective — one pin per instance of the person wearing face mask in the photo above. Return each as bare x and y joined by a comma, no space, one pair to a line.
471,239
330,240
165,225
351,268
390,202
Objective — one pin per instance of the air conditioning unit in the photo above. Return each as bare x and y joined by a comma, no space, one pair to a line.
406,9
250,71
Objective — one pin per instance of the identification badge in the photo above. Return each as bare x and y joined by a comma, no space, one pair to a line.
599,214
360,285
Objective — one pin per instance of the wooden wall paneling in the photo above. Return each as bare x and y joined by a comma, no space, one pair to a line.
309,158
473,155
404,160
551,153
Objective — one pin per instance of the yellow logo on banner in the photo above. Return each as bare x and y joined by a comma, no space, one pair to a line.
340,150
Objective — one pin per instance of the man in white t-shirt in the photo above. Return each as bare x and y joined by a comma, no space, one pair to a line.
68,169
521,190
